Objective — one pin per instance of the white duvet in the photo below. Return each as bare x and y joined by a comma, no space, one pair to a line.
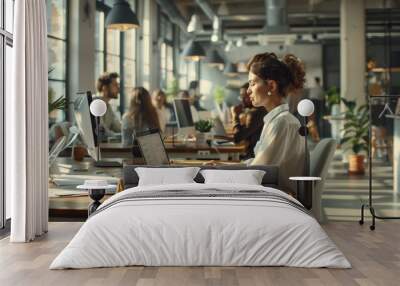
200,231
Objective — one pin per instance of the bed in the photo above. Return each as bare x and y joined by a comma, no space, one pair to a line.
198,224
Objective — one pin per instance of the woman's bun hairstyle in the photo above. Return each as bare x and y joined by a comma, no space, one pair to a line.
297,70
288,73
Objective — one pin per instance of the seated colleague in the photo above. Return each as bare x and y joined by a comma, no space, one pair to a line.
184,94
270,81
247,122
141,115
163,111
194,93
108,88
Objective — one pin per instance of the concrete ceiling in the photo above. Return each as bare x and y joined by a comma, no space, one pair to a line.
304,16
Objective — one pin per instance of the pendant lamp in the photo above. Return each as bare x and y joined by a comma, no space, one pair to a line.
214,59
193,51
121,17
231,70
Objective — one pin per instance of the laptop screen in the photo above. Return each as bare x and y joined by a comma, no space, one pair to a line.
152,147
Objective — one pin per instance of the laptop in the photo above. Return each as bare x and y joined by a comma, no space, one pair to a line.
154,153
152,147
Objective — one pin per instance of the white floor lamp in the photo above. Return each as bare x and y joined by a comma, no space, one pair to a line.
305,109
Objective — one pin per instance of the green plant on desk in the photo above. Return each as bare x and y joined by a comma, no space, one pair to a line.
203,126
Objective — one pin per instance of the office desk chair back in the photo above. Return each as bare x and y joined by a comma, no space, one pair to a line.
152,147
320,160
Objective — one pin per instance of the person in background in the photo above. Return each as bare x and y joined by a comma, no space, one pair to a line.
317,95
184,94
159,99
108,88
270,81
194,93
247,122
141,115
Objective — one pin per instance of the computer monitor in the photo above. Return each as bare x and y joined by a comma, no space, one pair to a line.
184,116
152,147
86,122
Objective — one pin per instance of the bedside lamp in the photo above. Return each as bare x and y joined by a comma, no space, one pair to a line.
305,109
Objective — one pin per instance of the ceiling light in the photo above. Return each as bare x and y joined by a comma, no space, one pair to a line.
223,9
193,51
229,46
194,25
214,59
121,17
231,70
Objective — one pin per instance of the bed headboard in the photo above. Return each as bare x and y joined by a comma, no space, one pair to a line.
270,178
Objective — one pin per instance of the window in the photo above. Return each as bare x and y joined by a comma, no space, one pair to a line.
115,52
129,64
166,52
57,53
187,69
6,44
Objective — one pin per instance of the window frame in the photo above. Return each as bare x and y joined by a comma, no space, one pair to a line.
170,44
66,75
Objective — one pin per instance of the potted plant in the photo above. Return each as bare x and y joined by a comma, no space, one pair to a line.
355,135
202,126
172,89
332,98
219,94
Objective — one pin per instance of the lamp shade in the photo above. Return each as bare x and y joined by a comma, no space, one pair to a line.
231,70
305,107
193,51
195,25
121,17
214,59
98,107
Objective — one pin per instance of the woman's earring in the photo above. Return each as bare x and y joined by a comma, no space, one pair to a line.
269,93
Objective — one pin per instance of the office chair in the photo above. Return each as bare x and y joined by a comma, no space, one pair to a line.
320,159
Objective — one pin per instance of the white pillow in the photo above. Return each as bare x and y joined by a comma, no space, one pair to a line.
248,177
164,176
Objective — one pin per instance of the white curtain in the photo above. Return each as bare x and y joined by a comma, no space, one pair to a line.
27,123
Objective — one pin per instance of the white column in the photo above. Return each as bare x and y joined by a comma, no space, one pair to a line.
148,61
352,50
81,45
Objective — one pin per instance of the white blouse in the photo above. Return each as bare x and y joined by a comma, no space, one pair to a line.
281,144
163,117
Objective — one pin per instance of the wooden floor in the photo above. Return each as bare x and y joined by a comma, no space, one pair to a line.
375,257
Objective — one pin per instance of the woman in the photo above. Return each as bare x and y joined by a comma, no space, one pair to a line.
141,115
160,103
270,82
184,94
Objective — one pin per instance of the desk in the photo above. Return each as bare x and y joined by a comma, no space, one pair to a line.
190,151
66,200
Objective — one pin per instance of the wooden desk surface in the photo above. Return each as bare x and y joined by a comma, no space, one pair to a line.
177,148
65,202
